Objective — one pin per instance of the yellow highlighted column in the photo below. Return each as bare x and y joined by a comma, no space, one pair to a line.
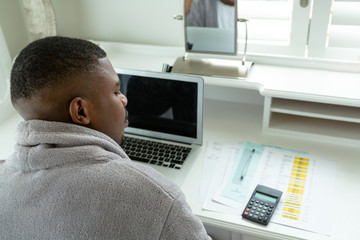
295,189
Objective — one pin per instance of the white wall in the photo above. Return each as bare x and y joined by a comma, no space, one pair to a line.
140,21
12,24
15,37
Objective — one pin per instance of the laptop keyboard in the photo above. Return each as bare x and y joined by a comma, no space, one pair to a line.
156,153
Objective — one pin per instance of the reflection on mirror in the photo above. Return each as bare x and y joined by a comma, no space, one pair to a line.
210,26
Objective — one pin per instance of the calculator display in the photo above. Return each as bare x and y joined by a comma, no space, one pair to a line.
265,197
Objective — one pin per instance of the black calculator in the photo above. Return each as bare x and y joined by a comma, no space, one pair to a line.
262,204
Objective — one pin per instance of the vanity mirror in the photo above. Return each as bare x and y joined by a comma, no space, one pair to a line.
211,28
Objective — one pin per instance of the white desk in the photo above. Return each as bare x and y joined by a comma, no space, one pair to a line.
238,120
234,122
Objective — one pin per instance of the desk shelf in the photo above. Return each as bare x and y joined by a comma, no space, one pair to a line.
312,119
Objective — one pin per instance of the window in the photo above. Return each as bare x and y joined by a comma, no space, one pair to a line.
304,30
335,30
275,27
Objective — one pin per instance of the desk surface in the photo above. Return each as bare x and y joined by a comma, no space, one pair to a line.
236,122
233,122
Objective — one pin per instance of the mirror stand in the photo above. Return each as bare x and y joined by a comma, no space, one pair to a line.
212,67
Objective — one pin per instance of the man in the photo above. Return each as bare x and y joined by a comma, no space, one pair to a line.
68,177
210,13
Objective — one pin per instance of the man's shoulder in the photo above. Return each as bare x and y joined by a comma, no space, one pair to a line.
116,174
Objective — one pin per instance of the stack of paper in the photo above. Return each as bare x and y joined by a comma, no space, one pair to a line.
306,181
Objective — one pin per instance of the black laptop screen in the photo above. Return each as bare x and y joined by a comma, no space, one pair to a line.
161,105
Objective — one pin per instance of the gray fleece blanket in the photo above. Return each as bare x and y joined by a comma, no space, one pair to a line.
65,181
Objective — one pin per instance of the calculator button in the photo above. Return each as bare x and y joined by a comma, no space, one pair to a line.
247,210
246,213
260,218
268,212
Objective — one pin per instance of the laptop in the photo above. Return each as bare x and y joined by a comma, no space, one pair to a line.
165,120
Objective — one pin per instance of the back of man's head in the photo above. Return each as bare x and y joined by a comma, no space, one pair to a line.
50,64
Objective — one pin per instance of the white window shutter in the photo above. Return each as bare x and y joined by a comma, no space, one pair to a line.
277,27
335,30
344,27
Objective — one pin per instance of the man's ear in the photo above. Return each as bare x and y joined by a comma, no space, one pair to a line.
79,111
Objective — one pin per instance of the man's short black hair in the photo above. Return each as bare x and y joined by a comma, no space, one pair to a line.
50,62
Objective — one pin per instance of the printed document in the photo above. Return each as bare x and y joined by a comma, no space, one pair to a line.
307,183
